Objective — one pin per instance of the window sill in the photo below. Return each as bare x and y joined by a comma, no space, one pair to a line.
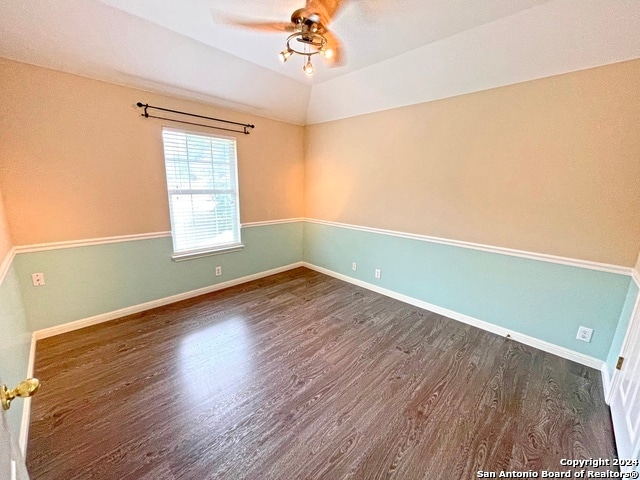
181,257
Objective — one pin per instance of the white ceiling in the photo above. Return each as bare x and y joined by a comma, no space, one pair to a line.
398,52
372,30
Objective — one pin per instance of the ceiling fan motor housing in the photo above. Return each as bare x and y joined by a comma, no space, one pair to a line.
306,21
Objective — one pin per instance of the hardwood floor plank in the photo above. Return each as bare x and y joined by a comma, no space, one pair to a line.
302,376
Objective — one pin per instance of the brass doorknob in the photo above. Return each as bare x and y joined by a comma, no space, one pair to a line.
25,389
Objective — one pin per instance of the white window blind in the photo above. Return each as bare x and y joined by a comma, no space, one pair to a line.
202,180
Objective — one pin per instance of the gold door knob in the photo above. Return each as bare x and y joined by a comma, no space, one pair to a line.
25,389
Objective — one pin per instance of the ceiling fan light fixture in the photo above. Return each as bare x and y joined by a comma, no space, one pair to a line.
326,52
308,33
308,68
285,55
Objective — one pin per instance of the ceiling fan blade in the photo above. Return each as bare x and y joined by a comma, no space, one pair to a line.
326,9
261,26
337,57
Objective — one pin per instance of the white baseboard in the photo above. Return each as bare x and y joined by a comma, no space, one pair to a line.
123,312
489,327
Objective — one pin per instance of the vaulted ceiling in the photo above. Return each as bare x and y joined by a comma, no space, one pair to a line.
398,52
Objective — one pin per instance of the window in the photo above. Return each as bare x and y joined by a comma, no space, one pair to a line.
202,180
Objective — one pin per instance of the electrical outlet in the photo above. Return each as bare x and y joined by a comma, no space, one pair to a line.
584,334
38,279
378,273
354,266
218,271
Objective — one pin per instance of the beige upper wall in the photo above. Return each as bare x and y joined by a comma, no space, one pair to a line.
78,161
549,166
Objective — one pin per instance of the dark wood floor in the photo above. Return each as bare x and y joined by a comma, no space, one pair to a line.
302,376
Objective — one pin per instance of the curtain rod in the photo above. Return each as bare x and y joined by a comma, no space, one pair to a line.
146,106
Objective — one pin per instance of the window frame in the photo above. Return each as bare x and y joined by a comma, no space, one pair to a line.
217,249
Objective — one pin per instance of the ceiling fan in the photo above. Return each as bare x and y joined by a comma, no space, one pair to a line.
309,33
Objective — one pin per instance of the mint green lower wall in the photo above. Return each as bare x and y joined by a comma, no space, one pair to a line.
81,282
15,342
544,300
